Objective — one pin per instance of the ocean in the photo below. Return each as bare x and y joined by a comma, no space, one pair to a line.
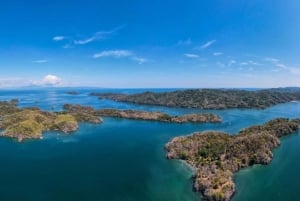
124,160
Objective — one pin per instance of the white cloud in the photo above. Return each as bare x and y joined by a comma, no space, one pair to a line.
193,56
100,35
113,53
250,62
97,36
244,63
207,44
280,65
51,80
231,62
120,54
59,38
218,53
273,60
16,82
140,60
294,70
13,82
67,46
220,65
185,42
40,61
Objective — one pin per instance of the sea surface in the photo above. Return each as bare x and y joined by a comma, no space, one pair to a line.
124,160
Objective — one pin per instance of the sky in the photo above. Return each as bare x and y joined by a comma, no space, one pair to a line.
150,44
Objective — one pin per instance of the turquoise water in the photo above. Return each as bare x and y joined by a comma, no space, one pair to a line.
124,160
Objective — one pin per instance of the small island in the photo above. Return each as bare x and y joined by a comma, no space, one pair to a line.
210,98
216,156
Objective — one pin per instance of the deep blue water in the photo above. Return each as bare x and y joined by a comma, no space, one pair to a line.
124,160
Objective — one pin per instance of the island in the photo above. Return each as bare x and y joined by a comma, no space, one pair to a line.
144,115
210,98
31,122
72,92
216,156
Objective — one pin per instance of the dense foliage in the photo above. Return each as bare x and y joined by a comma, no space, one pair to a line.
210,98
142,115
216,156
25,123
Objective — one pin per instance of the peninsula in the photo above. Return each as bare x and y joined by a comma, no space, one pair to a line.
217,155
210,98
144,115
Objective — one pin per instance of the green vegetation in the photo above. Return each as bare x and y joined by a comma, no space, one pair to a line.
83,113
216,155
86,112
210,98
31,122
164,117
65,123
24,123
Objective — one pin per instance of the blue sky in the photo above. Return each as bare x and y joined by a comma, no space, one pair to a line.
139,43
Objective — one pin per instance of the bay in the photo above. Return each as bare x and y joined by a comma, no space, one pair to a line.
124,160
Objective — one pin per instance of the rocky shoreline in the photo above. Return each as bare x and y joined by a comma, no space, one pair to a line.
216,156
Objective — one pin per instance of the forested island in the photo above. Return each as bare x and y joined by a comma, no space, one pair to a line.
31,122
144,115
217,155
210,98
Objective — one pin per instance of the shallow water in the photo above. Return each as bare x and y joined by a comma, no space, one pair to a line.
124,160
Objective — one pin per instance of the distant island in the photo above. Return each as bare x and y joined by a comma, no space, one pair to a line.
31,122
217,155
210,98
72,92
